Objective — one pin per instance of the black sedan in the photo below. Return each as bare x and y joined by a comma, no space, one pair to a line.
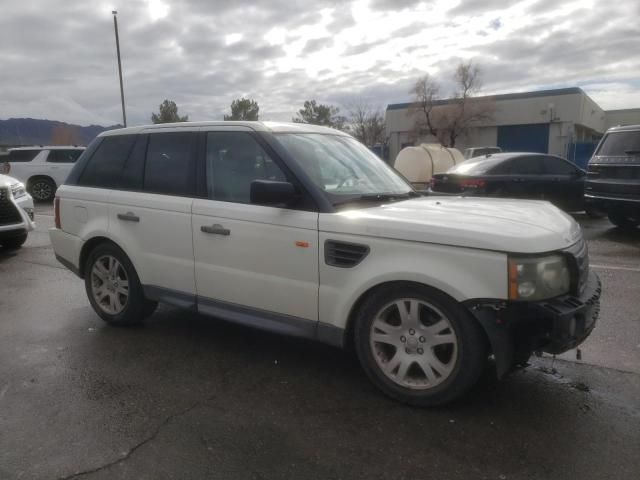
516,175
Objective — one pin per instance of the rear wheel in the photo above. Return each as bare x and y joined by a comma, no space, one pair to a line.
419,346
623,221
42,189
14,242
113,287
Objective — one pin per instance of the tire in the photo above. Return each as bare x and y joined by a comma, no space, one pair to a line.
594,213
113,287
14,242
444,359
623,221
42,189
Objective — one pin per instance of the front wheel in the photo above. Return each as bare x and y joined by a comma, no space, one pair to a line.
623,221
419,346
14,242
113,287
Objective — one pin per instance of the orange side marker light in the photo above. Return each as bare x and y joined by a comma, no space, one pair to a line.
302,244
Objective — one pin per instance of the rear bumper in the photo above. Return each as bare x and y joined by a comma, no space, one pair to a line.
611,202
67,248
515,329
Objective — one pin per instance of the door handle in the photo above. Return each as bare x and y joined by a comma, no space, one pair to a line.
215,229
128,217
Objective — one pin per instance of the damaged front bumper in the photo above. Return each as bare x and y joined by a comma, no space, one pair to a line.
516,329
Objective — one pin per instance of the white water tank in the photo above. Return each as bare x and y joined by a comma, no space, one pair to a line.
419,164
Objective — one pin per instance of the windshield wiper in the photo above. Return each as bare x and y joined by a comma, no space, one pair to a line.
378,197
632,152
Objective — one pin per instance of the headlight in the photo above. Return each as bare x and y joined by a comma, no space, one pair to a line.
538,278
18,190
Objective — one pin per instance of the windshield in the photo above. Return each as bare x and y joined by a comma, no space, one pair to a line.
342,167
620,144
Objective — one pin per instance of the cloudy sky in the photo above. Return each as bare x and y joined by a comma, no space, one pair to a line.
57,57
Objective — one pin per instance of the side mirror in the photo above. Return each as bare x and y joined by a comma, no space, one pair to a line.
269,192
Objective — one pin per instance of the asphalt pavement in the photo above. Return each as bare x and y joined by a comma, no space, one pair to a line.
189,397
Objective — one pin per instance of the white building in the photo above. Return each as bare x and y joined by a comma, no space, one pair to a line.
565,122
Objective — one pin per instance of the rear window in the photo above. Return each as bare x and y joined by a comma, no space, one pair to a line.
104,168
63,156
619,144
477,166
22,155
170,164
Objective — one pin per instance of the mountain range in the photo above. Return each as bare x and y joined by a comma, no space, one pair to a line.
31,131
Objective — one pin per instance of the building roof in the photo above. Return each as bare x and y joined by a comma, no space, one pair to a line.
505,96
274,127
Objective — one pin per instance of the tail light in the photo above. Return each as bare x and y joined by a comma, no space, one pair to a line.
56,213
472,183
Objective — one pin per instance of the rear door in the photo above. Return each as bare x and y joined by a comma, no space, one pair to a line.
564,184
260,262
150,213
526,177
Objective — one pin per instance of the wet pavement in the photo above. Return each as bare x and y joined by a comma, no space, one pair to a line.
188,397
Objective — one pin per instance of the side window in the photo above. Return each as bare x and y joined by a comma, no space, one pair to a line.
104,168
527,166
170,164
63,156
22,155
558,166
133,172
234,160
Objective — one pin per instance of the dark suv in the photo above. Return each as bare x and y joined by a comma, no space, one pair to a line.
613,176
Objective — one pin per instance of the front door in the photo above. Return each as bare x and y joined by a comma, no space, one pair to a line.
259,263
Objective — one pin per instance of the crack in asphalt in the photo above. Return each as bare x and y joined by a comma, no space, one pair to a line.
140,444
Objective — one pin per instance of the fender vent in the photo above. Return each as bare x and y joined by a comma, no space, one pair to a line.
343,254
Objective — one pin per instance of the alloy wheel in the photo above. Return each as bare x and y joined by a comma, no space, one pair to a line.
414,343
109,284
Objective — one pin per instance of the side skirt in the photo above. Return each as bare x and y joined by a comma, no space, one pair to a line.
251,317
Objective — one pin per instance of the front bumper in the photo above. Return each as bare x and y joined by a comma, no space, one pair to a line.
516,329
26,223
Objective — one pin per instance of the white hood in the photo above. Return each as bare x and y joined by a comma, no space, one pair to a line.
518,226
7,181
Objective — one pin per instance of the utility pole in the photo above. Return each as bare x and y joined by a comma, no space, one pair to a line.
115,26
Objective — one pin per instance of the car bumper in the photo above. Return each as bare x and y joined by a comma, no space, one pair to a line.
24,206
553,326
67,249
608,202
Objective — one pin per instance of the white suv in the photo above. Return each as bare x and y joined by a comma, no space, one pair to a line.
42,169
302,230
16,213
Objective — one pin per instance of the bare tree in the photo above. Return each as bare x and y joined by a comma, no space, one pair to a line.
366,122
449,119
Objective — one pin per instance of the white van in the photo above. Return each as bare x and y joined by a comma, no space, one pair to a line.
302,230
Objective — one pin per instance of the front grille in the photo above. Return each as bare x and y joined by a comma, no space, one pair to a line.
579,263
631,172
344,254
9,214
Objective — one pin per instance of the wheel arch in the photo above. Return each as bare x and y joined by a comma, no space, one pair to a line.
41,176
91,244
348,337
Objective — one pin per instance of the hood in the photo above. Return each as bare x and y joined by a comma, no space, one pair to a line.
7,181
517,226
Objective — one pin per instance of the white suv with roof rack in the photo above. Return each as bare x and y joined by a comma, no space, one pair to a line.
41,168
302,230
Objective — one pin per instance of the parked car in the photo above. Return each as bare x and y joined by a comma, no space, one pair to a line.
517,175
42,169
480,151
16,213
613,181
302,230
